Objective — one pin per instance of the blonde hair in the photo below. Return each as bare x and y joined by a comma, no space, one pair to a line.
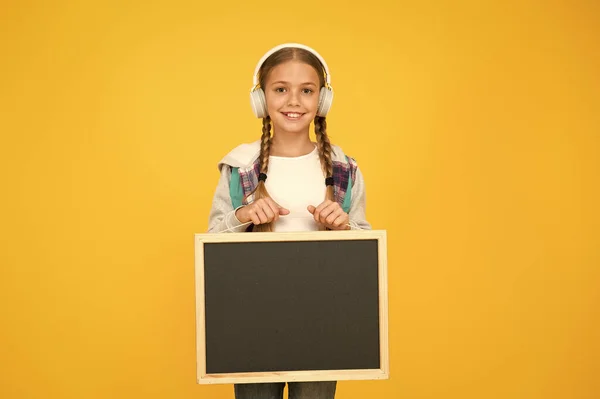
323,143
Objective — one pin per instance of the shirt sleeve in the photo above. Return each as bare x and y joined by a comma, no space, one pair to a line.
358,204
222,217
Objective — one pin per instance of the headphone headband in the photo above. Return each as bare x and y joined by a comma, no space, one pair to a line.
291,45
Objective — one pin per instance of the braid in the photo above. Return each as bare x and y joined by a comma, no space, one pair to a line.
265,145
265,149
324,147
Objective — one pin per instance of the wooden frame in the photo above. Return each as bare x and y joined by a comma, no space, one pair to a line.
286,376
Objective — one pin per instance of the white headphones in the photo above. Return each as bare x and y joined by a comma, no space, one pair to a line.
257,95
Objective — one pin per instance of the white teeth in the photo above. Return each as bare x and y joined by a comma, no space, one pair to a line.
293,115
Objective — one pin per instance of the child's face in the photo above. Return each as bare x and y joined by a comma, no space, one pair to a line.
292,94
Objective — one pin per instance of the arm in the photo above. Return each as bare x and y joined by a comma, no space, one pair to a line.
222,215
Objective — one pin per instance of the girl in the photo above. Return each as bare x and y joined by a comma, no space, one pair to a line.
284,181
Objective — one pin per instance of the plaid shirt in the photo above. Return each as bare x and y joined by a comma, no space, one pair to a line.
242,166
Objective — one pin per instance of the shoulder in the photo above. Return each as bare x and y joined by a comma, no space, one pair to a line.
241,156
343,162
339,156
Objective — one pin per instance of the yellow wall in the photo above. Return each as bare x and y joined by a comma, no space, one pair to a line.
477,127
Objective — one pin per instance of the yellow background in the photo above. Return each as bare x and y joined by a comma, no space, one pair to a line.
476,125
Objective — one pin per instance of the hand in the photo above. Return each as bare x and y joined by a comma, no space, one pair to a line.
261,211
331,215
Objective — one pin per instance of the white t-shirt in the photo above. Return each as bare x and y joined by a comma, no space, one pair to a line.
295,183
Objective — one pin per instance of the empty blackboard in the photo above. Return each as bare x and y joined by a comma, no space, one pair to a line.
291,306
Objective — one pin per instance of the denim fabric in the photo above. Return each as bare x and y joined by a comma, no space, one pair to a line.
297,390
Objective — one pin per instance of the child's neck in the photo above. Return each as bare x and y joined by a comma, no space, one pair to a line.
291,145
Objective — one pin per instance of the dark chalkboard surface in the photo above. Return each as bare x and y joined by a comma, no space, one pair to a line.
291,306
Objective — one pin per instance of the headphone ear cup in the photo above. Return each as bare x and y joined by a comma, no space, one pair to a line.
325,101
258,103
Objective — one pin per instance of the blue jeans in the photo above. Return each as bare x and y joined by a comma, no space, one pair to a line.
297,390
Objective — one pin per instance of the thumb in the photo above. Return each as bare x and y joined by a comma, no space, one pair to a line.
283,211
311,209
275,205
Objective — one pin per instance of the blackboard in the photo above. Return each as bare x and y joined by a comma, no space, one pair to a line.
291,306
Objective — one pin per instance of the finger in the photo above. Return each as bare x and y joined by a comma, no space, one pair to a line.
269,213
317,211
311,209
316,215
261,215
326,214
281,210
258,207
340,221
273,209
277,209
336,213
329,214
319,217
323,205
253,216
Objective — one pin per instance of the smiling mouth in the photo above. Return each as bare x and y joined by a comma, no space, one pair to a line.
292,115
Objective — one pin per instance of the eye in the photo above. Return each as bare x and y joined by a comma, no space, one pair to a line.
280,89
307,91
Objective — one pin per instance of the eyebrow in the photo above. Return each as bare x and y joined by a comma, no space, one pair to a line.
302,84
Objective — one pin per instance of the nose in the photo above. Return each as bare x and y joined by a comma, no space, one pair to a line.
294,98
